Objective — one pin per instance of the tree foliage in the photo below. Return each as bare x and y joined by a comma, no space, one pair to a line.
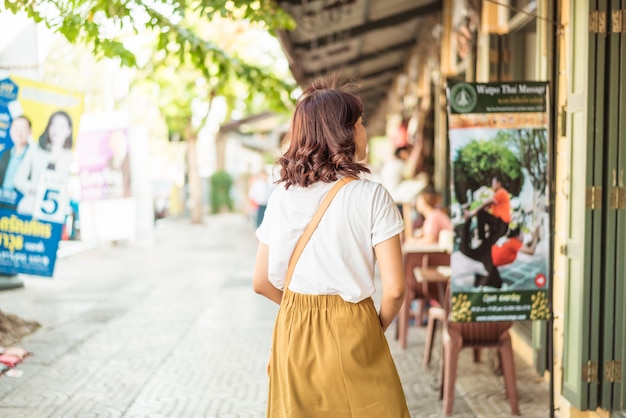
531,145
185,91
106,25
185,60
478,162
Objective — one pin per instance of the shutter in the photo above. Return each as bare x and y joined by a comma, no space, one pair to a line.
616,363
613,178
596,180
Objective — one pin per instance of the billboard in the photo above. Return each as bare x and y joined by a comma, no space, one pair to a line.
104,164
38,124
105,161
498,135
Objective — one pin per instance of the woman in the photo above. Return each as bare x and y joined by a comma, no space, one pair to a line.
435,219
53,153
329,354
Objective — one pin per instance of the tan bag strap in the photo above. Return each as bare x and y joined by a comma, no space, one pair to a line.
308,231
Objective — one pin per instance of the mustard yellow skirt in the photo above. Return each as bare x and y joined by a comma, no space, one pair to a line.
331,359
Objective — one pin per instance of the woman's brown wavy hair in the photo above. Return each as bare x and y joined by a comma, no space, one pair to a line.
321,135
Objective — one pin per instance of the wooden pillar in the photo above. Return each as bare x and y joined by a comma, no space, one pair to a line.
441,177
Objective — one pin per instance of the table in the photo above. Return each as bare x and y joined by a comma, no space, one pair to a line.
438,276
415,256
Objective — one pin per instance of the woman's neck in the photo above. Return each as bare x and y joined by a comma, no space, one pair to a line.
55,151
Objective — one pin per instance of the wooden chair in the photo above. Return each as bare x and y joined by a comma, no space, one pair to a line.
434,255
436,312
415,290
433,287
411,259
459,335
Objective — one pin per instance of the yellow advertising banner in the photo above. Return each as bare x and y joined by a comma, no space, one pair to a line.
39,100
38,131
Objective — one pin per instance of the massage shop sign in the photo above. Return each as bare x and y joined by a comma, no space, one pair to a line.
38,124
498,136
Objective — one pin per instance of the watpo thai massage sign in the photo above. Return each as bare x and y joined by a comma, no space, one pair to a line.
499,205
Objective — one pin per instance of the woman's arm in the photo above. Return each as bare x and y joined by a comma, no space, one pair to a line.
260,280
389,255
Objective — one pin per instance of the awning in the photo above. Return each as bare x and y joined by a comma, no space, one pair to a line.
367,39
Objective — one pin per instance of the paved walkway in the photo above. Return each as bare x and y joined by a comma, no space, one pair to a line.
176,331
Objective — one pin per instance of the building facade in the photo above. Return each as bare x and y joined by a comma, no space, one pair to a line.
579,47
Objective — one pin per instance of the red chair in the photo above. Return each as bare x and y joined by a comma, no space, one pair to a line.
459,335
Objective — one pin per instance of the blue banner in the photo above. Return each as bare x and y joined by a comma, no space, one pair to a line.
38,124
27,245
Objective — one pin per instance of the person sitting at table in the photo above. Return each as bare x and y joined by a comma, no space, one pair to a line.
435,220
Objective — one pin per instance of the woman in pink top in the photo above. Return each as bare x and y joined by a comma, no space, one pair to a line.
435,219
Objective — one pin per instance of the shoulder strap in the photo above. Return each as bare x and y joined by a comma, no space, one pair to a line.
308,231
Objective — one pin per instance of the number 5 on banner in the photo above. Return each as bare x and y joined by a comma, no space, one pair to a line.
50,203
51,199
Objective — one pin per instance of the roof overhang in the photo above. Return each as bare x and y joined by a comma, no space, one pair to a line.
369,40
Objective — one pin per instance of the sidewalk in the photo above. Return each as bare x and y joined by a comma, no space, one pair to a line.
176,331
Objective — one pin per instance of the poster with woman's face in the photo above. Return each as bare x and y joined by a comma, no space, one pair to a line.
38,124
59,130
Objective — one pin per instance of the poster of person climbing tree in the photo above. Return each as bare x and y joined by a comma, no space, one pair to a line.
498,136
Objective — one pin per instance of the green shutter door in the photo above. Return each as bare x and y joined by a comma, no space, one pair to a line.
613,178
596,247
594,255
617,361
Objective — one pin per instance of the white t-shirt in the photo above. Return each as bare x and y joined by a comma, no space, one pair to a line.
392,174
339,258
